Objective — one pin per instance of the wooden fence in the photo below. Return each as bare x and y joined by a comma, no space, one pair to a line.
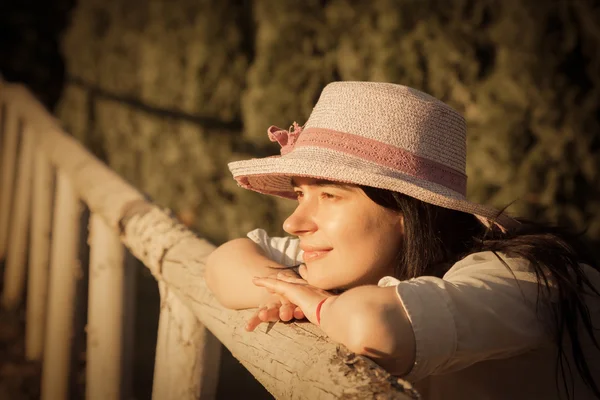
47,178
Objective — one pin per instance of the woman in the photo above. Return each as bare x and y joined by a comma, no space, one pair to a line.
397,265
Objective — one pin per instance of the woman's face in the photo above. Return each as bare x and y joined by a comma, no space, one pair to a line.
348,240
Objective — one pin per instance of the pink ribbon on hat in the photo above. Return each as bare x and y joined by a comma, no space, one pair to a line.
286,139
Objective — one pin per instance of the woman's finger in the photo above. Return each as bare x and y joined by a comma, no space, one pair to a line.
298,314
254,321
267,313
279,287
270,313
290,277
274,312
303,296
286,312
282,299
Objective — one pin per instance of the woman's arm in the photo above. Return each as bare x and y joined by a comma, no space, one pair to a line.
368,320
479,311
371,321
229,272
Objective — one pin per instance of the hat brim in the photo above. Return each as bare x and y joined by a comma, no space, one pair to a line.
272,176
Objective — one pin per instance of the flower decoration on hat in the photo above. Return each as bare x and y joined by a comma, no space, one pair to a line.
286,139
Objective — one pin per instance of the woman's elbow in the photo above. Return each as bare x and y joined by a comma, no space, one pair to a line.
212,277
389,342
222,271
371,338
214,287
215,263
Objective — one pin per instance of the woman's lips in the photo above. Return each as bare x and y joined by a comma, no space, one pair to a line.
312,255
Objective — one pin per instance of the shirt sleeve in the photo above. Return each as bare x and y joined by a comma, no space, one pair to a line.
283,250
479,310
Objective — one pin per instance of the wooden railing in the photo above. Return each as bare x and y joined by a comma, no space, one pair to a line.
41,195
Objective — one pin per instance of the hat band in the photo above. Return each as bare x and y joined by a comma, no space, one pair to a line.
385,155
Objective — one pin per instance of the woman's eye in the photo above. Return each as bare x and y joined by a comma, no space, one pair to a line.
326,195
299,194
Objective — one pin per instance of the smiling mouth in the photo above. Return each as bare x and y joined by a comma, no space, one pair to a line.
314,255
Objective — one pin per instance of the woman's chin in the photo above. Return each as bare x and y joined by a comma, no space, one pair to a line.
322,282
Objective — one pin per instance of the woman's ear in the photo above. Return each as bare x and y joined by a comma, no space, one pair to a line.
401,223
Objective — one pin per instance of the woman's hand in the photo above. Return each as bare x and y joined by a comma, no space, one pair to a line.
295,291
277,307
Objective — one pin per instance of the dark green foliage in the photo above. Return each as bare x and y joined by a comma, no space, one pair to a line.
524,73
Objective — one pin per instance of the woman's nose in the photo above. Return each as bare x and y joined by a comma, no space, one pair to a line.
301,221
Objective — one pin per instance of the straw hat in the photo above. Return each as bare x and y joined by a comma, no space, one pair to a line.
375,134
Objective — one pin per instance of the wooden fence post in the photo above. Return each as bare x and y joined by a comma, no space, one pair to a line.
105,312
9,155
14,272
187,354
39,256
64,271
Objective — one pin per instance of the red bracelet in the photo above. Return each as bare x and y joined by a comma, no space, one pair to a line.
319,310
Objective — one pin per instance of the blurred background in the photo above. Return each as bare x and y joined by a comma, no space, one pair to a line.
166,92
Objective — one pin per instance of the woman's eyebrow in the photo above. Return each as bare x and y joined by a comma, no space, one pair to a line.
324,182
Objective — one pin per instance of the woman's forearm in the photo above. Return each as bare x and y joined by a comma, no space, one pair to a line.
371,321
229,272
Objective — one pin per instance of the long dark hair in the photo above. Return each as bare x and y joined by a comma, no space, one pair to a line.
436,238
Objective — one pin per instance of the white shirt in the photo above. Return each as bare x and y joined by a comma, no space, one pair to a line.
477,332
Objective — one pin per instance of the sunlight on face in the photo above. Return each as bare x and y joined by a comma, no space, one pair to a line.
348,240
